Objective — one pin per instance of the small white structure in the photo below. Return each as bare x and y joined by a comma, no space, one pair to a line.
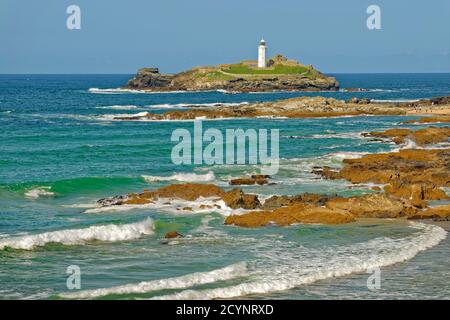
262,54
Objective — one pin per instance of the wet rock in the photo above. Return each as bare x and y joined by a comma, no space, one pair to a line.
185,191
254,179
298,213
429,120
236,199
421,137
112,201
370,206
305,199
172,235
416,192
300,107
440,213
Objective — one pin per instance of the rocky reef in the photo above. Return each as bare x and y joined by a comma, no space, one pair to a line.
234,199
281,75
301,107
406,179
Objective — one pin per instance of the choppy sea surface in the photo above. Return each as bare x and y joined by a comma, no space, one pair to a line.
60,151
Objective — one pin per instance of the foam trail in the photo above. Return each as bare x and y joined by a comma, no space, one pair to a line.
358,258
119,107
39,192
197,105
198,278
189,177
108,233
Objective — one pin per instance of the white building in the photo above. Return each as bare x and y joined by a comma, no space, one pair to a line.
262,54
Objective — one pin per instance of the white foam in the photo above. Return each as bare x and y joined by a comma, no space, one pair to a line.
197,105
394,100
39,192
175,206
194,279
119,107
188,177
108,233
110,117
343,135
291,265
122,91
113,91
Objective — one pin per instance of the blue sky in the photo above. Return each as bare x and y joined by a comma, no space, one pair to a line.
122,36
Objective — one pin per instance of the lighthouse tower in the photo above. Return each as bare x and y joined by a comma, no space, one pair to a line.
262,54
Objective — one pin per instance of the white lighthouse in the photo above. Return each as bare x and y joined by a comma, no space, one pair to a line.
262,54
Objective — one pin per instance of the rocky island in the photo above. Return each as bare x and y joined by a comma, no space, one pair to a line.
280,74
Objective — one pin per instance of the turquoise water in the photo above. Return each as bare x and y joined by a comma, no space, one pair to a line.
60,152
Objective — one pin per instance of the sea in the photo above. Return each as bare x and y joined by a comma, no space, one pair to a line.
61,150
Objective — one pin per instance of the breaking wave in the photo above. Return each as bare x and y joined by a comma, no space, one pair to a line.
196,105
187,177
119,107
107,233
194,279
344,135
288,265
39,192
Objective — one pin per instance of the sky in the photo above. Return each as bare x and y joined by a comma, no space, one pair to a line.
174,35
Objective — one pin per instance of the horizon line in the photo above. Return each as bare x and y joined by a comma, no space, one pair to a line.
60,74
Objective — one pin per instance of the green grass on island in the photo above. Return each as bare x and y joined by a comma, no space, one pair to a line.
277,66
276,69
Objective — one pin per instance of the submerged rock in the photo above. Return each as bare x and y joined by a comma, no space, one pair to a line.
260,179
440,213
112,201
172,235
236,199
429,120
430,135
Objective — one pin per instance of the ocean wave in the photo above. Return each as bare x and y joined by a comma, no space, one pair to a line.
107,233
410,144
39,192
344,135
196,105
113,91
119,107
194,279
125,91
174,206
394,100
188,177
286,265
110,117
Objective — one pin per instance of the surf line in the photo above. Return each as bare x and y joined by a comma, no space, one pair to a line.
233,143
